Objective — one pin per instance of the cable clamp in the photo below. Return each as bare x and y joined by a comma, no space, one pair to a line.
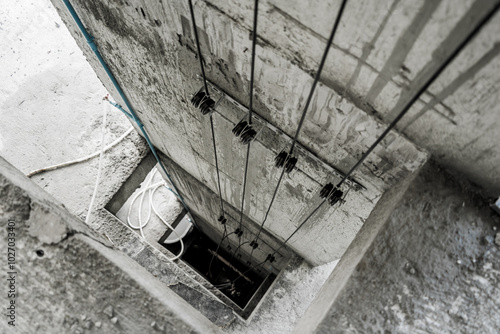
331,193
222,219
202,101
285,160
238,232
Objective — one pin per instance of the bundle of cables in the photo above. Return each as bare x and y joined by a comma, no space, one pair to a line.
147,192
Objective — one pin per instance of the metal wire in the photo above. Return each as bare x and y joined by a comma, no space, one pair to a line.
422,89
252,71
294,232
250,110
224,236
306,107
269,208
216,164
408,105
236,250
200,58
244,184
318,74
307,218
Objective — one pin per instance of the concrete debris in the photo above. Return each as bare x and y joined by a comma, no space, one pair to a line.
108,311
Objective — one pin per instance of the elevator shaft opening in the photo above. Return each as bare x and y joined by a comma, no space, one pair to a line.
222,268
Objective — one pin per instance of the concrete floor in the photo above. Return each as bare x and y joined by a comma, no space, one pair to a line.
51,111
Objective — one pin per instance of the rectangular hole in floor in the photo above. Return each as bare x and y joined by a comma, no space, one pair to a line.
244,284
235,280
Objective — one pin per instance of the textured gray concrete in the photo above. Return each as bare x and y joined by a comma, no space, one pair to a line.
383,52
51,109
286,302
31,148
433,268
57,292
202,200
400,277
149,47
349,261
178,276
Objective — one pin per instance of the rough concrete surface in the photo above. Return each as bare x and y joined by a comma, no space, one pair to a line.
289,298
55,291
433,268
51,110
381,55
149,47
347,265
75,114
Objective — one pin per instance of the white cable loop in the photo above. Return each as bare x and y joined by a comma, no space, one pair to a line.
149,190
88,157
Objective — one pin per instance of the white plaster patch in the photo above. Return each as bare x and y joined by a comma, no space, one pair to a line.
48,227
481,280
398,312
456,305
406,291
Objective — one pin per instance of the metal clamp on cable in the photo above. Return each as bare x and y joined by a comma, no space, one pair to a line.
238,232
285,160
254,244
244,131
270,258
222,220
204,102
333,194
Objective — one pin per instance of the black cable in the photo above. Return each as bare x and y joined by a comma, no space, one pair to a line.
250,110
200,57
244,184
224,236
305,221
198,47
309,98
268,209
410,103
236,250
252,66
450,58
217,165
318,74
302,224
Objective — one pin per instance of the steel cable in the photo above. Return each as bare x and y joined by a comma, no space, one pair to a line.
306,107
408,105
250,110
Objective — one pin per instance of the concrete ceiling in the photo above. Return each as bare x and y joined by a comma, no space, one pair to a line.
381,54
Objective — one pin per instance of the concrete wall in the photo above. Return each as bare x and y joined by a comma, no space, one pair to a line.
57,292
149,46
434,267
382,54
